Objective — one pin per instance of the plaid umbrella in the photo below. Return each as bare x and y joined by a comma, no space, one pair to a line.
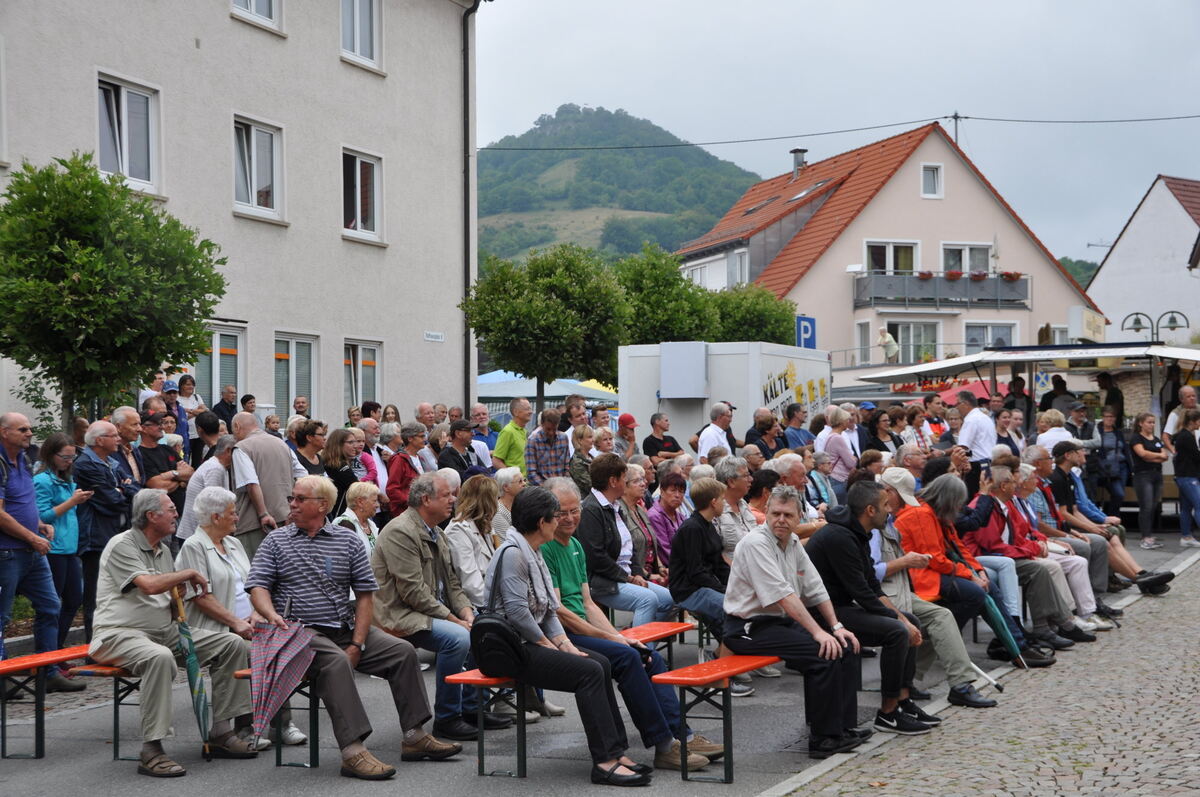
279,657
187,649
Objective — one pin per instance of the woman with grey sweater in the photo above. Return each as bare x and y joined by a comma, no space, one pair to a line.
525,594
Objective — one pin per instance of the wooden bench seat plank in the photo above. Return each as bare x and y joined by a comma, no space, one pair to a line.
477,678
653,632
100,671
35,660
709,672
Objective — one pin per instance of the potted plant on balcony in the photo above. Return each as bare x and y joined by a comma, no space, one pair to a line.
953,275
1011,276
979,276
924,275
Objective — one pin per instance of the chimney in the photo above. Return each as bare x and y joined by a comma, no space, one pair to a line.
798,161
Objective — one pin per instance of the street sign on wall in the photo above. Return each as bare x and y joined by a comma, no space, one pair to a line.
806,332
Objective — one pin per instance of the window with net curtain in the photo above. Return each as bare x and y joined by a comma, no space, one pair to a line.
293,372
218,366
966,258
891,258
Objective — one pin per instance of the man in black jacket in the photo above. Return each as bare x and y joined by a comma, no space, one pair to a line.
841,553
615,574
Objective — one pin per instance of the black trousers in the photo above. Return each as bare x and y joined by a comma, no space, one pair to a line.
91,579
898,659
590,678
830,699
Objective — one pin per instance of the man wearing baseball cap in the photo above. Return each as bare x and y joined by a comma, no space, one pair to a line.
625,443
170,394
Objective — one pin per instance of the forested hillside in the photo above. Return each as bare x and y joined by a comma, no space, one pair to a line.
612,199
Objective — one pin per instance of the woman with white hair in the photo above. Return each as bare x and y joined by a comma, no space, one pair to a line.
362,502
839,451
214,552
510,481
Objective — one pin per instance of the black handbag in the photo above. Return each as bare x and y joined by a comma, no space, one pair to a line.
496,644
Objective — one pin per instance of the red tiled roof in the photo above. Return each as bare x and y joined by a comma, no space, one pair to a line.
1187,192
857,176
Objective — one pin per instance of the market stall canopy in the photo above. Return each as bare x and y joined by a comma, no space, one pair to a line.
1084,357
491,388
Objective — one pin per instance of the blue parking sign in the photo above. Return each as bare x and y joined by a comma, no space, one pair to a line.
806,332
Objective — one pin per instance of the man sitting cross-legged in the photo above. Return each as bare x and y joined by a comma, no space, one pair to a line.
654,708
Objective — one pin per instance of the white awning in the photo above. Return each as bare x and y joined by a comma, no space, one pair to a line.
1097,357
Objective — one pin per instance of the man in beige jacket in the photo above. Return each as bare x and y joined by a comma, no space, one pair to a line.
421,600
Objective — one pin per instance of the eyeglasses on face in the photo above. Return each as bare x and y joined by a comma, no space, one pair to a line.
566,513
295,499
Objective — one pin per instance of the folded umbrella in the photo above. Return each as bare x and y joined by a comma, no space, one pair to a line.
279,657
999,624
187,649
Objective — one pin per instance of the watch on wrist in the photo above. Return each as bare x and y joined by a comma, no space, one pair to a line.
837,627
361,648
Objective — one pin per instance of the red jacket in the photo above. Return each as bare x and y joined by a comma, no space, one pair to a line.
401,475
989,540
922,532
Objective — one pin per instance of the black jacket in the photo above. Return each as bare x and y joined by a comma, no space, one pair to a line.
841,552
601,542
696,559
1187,455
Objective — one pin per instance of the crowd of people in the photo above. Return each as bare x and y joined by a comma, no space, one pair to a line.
862,531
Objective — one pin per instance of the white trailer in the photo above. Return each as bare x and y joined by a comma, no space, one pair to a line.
685,379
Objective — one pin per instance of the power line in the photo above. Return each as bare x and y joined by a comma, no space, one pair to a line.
955,116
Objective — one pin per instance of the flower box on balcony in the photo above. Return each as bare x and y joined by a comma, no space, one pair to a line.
979,276
953,275
1011,276
924,275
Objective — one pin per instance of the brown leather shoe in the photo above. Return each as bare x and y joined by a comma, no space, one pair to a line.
428,747
366,767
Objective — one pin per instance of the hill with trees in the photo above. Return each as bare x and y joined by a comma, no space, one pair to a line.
1081,270
557,183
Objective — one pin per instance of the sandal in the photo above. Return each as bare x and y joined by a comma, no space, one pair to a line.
159,766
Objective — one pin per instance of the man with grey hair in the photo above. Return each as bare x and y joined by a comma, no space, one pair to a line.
421,600
214,472
717,432
424,413
481,431
135,629
792,473
752,434
776,605
910,457
753,456
263,473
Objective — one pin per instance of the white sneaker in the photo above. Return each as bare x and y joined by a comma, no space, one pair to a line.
1085,624
553,710
293,735
768,672
246,735
1189,542
1099,623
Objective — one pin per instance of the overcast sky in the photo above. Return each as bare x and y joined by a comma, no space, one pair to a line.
713,70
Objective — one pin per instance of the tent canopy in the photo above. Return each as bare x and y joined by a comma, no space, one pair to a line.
1098,357
510,386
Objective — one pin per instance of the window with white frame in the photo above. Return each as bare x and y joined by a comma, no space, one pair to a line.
742,268
966,257
264,12
917,339
128,132
360,373
295,364
931,181
220,364
360,193
1058,336
891,258
361,30
257,167
696,275
981,335
863,336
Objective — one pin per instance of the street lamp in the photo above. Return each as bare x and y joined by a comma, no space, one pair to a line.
1140,322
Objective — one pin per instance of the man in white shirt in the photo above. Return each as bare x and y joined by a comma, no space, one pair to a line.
776,605
1187,401
823,435
977,435
721,417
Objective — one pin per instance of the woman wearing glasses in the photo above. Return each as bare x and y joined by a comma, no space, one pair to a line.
57,498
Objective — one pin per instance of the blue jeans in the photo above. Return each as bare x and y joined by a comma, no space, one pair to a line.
67,572
1189,503
452,643
1002,573
654,708
23,572
649,603
709,605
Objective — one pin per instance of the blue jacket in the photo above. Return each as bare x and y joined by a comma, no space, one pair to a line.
52,491
107,512
1084,501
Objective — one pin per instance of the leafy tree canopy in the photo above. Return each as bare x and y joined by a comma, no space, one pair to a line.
751,312
1081,270
98,285
664,305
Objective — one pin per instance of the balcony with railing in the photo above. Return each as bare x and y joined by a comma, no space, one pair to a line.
872,357
943,289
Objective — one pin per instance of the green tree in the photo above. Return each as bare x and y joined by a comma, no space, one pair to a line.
665,306
99,287
561,313
751,312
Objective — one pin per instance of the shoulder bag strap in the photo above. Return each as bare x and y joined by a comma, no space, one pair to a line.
491,604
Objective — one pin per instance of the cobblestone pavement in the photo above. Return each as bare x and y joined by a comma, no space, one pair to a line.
1113,717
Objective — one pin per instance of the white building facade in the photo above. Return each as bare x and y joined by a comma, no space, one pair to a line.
325,145
1146,269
